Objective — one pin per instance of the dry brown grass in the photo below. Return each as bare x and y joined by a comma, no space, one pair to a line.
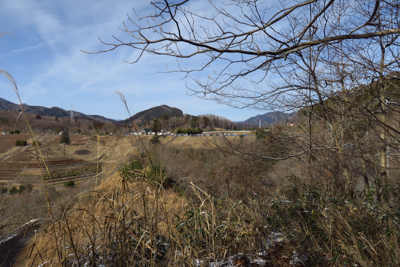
200,201
115,201
130,220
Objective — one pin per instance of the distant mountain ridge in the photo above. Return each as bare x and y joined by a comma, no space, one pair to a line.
152,113
53,111
269,118
140,117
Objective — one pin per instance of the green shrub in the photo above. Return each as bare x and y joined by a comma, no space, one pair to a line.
3,190
15,132
13,190
36,142
189,131
128,170
22,188
21,143
69,184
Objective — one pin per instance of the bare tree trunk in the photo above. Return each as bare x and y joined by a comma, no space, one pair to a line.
365,176
363,163
382,135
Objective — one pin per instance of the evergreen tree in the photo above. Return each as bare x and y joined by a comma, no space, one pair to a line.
156,126
65,138
165,117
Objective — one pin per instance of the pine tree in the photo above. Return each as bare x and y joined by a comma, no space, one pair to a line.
65,138
156,126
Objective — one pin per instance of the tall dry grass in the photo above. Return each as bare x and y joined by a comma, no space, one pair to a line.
139,217
132,220
155,213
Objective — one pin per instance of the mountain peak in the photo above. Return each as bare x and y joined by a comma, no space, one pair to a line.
154,112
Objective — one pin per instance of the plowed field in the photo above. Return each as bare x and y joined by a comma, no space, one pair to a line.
19,165
8,141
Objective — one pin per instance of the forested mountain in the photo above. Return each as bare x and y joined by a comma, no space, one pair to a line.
269,118
53,111
149,115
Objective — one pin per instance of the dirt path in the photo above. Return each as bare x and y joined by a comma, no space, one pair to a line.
171,140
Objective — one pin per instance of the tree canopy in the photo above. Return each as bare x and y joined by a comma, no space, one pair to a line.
65,138
156,126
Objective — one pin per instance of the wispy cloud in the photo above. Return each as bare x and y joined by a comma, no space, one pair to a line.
29,48
25,49
45,56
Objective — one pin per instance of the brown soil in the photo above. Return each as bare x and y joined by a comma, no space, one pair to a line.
8,141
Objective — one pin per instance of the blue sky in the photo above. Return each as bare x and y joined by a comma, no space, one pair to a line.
43,53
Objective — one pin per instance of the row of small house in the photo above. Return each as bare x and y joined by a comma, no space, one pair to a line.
210,134
149,132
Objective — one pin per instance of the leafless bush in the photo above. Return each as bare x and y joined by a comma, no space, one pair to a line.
220,171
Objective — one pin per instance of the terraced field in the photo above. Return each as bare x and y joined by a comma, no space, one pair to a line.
11,166
8,141
19,165
9,171
61,170
56,162
77,161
